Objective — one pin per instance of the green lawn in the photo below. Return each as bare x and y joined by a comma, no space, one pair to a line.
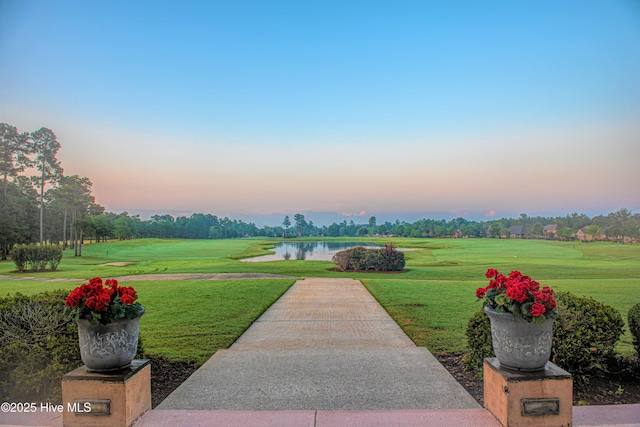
434,314
189,320
433,302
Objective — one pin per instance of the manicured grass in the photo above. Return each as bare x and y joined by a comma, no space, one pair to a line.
153,256
190,320
431,301
434,314
150,256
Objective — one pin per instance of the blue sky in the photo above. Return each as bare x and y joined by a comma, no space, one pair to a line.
256,109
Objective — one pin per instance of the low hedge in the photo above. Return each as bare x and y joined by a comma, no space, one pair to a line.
36,257
362,259
38,345
633,320
584,336
478,341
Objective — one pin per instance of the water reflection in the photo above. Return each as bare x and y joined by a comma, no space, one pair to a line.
309,251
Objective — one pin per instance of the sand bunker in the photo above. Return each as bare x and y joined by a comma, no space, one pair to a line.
117,264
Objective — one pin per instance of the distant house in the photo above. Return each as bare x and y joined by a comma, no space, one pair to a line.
586,237
518,231
550,231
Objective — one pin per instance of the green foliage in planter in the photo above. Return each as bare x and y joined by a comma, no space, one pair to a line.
36,257
38,345
479,340
362,259
633,319
584,336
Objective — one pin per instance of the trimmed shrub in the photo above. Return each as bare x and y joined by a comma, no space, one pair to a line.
584,336
36,257
38,345
53,256
479,341
32,254
19,256
633,320
359,258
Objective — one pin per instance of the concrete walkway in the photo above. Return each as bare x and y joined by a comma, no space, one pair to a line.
325,345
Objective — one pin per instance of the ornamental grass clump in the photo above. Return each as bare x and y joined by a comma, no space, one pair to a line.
103,303
519,295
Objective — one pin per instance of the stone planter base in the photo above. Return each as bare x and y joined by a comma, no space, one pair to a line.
528,399
115,399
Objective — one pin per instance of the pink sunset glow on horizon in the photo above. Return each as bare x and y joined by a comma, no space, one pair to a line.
261,111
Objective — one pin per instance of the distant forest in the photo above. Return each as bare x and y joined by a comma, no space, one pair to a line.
48,206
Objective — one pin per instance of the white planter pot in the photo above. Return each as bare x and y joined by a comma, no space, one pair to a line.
520,345
111,347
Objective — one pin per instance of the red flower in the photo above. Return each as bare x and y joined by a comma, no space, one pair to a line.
98,300
517,293
501,280
545,298
112,284
127,299
515,274
537,309
518,290
491,273
128,290
547,290
74,298
95,281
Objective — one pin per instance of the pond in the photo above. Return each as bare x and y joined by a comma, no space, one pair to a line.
310,251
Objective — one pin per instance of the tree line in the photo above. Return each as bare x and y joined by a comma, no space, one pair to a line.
620,225
39,203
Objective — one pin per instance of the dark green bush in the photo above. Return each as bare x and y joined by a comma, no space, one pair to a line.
359,258
633,319
36,257
38,345
19,256
53,256
479,341
584,335
32,254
